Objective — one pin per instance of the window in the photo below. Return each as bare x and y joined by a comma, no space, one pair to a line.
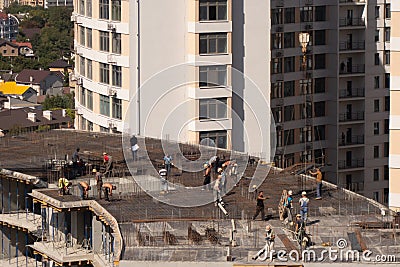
104,105
387,11
288,89
116,43
211,76
277,41
319,61
319,38
319,85
376,82
387,57
385,195
116,76
82,7
82,35
288,137
377,11
213,43
104,73
218,138
289,160
104,9
319,109
386,126
376,59
319,132
320,13
279,138
386,149
387,80
277,113
376,105
376,196
387,34
306,87
89,69
289,15
308,64
376,174
288,39
213,10
89,100
276,16
376,152
82,66
276,65
387,103
116,108
305,134
376,35
289,64
89,37
306,14
116,10
104,129
89,8
306,109
319,156
386,172
83,123
83,96
213,108
104,41
90,126
288,113
276,90
376,128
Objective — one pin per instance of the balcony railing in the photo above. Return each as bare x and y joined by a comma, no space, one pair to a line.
351,69
351,1
350,164
351,140
353,92
351,22
354,116
360,45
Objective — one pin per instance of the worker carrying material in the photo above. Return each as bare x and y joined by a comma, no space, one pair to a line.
63,186
108,188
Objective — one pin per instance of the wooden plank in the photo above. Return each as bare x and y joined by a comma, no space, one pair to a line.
360,240
289,245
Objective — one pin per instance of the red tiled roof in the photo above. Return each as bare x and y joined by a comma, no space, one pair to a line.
3,16
23,44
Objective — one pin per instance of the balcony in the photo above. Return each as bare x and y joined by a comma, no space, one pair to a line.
350,93
351,46
351,22
351,140
351,69
351,164
352,1
354,116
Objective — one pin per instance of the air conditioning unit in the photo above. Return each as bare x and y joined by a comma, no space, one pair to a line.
111,59
112,92
111,26
79,81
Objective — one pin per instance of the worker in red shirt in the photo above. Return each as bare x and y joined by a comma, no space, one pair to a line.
106,158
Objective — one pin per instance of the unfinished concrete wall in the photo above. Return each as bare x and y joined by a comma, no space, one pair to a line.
13,195
97,228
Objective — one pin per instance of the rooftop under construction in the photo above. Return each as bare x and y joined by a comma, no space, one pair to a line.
40,226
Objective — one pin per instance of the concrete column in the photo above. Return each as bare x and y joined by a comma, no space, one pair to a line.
97,234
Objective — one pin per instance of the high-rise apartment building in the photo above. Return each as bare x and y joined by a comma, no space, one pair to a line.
121,45
332,109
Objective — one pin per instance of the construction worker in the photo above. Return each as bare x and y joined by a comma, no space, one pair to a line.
108,188
269,244
99,181
260,206
168,163
207,176
63,185
84,188
304,206
163,179
289,206
106,158
318,179
217,191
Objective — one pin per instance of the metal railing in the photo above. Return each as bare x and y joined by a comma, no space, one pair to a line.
351,22
353,92
349,69
360,45
351,140
350,164
353,116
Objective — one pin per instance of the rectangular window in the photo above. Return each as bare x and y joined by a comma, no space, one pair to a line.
104,9
82,66
306,110
319,61
306,14
116,76
83,96
376,128
213,10
306,86
386,126
89,8
305,134
90,126
116,10
376,59
289,64
319,85
83,123
116,43
213,43
288,113
105,105
277,113
213,108
387,80
288,137
376,82
218,138
288,39
376,152
376,196
386,172
319,109
104,129
385,195
376,105
320,13
288,89
82,35
276,16
290,15
276,90
104,73
387,11
89,70
212,76
276,65
116,108
289,160
104,41
376,35
376,174
386,149
387,57
276,40
89,37
387,103
377,11
82,7
319,37
319,132
89,99
387,34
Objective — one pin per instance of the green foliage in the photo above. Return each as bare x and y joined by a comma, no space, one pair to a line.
70,113
60,101
43,128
